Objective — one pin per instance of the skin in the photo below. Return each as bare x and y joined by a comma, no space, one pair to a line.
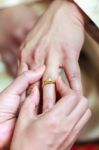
10,102
56,41
15,24
11,106
63,122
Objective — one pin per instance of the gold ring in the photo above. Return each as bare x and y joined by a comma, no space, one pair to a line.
48,81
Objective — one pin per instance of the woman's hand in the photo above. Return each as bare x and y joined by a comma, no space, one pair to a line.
56,41
15,23
10,101
56,129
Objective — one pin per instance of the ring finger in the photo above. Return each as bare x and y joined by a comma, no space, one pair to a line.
50,76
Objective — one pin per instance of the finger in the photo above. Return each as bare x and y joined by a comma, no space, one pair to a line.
62,88
36,62
51,72
31,87
72,71
79,111
24,80
28,110
38,56
71,139
66,105
29,107
22,67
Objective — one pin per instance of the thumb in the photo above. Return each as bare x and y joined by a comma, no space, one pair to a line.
24,80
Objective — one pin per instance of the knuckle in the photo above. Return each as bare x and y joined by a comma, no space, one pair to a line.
74,76
85,102
73,96
52,122
49,74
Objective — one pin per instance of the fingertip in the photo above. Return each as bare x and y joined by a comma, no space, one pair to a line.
41,69
33,76
35,94
59,79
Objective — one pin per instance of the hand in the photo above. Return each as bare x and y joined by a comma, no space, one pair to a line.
15,23
56,129
56,41
10,100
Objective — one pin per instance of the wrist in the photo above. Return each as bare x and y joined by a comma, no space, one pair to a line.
74,11
83,15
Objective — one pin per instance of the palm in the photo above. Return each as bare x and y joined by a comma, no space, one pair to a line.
6,130
8,111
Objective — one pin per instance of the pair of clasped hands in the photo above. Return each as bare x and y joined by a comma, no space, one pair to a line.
56,41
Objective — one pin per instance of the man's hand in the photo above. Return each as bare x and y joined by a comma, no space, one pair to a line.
56,129
56,41
10,101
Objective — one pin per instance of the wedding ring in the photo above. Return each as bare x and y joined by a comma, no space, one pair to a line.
48,81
